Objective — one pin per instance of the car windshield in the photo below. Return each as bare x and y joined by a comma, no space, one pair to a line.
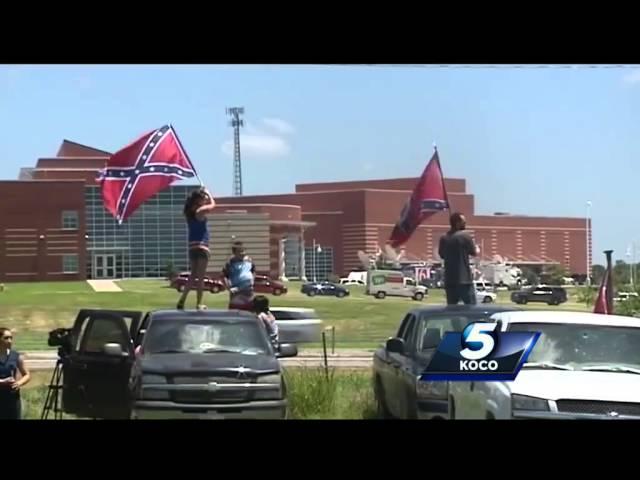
584,347
206,336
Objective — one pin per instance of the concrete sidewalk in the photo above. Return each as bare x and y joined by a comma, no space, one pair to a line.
104,286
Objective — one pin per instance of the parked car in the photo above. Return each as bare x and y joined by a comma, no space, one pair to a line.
210,284
624,296
264,284
544,294
398,364
189,364
324,288
297,325
584,366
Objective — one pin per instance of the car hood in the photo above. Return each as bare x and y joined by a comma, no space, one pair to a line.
165,363
577,385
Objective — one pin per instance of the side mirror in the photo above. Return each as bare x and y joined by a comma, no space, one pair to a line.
395,345
287,350
113,350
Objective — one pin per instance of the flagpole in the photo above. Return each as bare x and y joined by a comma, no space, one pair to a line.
186,155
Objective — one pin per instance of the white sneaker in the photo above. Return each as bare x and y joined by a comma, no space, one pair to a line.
201,307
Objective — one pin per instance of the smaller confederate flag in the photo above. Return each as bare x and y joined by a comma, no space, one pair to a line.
604,302
142,169
428,197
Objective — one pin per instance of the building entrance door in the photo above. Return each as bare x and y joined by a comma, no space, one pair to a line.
104,266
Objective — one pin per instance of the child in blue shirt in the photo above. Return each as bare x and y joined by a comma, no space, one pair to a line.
239,276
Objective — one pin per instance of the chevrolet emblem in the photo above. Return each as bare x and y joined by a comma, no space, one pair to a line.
613,414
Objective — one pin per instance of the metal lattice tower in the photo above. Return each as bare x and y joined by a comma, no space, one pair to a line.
236,123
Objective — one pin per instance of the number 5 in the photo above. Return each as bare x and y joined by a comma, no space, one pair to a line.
477,334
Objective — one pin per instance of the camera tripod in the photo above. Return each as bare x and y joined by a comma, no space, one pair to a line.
52,402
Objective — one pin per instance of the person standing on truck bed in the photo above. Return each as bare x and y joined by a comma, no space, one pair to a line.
455,248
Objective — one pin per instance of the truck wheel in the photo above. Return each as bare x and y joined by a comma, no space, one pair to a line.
215,289
418,297
381,295
487,300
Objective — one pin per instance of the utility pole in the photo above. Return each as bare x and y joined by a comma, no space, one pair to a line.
236,123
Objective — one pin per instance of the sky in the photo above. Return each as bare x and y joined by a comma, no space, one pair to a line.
539,141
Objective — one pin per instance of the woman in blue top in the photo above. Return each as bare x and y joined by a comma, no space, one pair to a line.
11,362
196,207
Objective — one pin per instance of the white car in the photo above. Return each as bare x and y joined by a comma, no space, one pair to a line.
347,281
584,366
297,325
624,296
484,292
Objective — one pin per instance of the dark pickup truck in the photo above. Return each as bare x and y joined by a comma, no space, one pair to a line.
541,294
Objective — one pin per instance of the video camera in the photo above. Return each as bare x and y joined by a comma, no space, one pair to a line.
61,338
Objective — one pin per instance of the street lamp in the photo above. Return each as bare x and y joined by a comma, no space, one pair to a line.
588,234
316,249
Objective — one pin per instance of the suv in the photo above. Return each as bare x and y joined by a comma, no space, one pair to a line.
543,294
173,365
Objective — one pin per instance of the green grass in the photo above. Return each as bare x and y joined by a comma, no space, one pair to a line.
343,395
361,321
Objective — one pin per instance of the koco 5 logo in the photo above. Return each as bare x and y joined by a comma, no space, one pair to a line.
480,352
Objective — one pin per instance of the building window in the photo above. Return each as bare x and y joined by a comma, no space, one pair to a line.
319,264
70,220
70,264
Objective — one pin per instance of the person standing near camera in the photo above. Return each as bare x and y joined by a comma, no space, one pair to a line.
456,246
11,362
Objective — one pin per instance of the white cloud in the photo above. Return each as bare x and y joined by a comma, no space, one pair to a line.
632,77
259,142
279,125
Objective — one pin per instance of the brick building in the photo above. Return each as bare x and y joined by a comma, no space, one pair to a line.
53,227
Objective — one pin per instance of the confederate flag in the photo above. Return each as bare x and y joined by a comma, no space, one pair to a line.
428,197
604,302
142,169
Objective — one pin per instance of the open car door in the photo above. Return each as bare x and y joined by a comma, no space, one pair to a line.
96,372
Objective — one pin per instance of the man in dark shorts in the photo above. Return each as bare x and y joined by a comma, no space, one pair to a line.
455,248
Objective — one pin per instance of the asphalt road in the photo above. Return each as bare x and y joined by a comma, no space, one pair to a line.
343,358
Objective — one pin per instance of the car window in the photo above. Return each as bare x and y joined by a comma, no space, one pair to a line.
403,326
182,335
433,328
409,334
101,331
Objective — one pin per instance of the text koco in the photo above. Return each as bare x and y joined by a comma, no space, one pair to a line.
471,365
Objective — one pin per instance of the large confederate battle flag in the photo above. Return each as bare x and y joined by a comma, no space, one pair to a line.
604,301
142,169
428,197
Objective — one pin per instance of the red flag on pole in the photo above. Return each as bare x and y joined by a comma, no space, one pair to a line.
429,197
604,301
142,169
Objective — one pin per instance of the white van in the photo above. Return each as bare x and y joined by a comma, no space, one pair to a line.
393,283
